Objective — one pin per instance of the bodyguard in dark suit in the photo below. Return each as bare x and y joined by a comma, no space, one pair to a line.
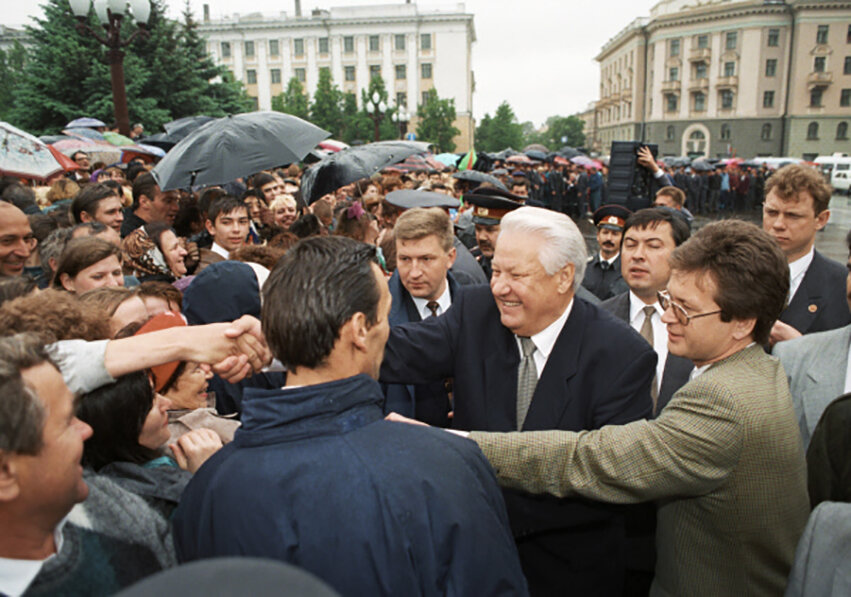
796,208
526,354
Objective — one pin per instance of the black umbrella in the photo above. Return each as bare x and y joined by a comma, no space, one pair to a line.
702,166
162,140
182,127
479,177
354,163
569,152
534,154
235,146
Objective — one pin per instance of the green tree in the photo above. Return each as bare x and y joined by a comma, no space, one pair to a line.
356,124
436,117
482,140
387,129
326,111
504,131
564,130
11,70
293,100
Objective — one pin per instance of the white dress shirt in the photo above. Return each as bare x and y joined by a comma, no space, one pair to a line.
545,340
660,331
848,374
444,301
797,271
219,249
611,261
17,575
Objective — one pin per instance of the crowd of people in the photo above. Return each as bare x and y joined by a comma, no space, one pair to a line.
423,384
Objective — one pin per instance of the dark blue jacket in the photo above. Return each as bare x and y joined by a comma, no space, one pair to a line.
598,373
819,303
317,478
426,402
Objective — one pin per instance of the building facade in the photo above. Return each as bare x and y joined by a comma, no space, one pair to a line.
723,78
414,49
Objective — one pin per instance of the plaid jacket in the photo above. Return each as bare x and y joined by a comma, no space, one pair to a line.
723,461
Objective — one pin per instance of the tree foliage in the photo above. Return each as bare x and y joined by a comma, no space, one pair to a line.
356,124
11,71
167,75
387,129
293,101
436,117
501,131
563,130
326,111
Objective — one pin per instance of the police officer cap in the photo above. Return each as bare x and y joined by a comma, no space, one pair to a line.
409,198
612,217
491,204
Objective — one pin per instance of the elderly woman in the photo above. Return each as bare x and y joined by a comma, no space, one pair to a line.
88,263
284,210
154,252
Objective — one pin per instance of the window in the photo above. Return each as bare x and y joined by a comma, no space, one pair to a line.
249,48
298,47
401,99
768,99
730,40
300,75
729,69
251,76
725,132
770,67
256,103
674,73
700,70
670,103
821,34
425,41
401,71
425,96
846,70
348,44
845,98
670,132
674,47
815,97
848,35
274,48
275,75
699,102
818,64
425,67
225,49
726,99
399,42
323,45
702,41
374,71
349,73
373,43
842,131
774,37
812,130
765,134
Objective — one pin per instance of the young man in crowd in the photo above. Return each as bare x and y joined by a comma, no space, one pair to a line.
98,203
150,204
228,224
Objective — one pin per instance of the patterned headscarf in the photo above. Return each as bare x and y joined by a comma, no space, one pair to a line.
143,257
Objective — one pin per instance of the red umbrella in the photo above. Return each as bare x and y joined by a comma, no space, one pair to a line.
67,163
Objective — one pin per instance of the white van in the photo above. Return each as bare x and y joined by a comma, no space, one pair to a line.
828,163
840,180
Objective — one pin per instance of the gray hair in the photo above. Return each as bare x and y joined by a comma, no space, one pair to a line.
563,243
22,412
52,247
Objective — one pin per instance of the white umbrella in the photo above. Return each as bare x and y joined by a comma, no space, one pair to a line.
22,154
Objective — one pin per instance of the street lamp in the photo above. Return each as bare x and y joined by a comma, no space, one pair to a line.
376,109
401,117
111,13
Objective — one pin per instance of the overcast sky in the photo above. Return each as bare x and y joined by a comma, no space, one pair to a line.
536,54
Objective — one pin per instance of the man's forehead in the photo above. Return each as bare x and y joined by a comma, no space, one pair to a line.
657,229
13,219
799,201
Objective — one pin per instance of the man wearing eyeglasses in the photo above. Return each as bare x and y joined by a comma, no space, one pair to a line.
16,240
723,460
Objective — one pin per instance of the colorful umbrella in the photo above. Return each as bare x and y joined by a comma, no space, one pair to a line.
582,160
81,131
87,122
117,139
23,155
468,161
98,152
447,159
519,159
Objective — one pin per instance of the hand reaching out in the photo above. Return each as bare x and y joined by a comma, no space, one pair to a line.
194,448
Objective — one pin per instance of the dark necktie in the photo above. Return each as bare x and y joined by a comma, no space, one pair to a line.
433,307
605,266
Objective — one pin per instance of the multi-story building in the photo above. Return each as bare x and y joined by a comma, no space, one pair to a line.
725,77
414,49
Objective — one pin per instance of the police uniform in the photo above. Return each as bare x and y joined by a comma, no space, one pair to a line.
603,278
489,207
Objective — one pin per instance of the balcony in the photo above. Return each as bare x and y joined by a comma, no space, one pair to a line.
727,82
698,84
671,86
819,79
699,55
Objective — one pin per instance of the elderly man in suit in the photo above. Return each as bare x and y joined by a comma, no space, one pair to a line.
818,367
525,355
649,237
723,459
796,207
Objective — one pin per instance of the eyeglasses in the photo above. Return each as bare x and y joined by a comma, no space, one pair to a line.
682,315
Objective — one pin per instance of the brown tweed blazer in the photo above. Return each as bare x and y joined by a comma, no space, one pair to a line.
723,460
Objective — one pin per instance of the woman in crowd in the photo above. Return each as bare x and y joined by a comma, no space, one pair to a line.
284,210
353,221
154,252
88,263
160,297
121,306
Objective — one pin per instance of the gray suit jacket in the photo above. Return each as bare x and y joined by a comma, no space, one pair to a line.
677,369
815,365
821,560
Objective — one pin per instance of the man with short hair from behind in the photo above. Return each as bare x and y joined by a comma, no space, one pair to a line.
228,224
150,204
98,203
796,205
315,476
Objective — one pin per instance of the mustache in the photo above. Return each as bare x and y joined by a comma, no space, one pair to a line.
485,245
608,243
